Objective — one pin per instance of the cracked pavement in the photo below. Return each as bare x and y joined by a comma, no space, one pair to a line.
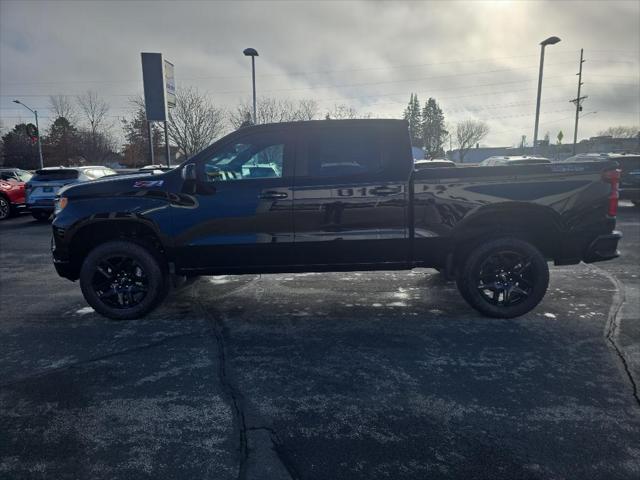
317,376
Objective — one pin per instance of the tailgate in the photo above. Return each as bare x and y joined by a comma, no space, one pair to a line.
43,187
630,175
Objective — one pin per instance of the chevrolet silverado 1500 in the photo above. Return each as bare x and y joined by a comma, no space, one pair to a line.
333,195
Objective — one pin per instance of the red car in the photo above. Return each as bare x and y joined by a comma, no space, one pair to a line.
12,181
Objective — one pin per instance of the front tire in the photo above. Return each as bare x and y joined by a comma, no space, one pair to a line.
5,208
504,278
40,215
123,280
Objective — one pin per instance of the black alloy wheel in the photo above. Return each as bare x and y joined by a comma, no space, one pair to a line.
504,277
124,280
120,282
5,208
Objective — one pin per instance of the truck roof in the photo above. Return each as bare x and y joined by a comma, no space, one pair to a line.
353,122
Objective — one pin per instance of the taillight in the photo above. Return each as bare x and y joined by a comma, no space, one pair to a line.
613,178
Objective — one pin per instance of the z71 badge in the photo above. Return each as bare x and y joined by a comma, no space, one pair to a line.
148,183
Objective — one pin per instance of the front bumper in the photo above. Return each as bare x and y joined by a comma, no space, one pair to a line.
629,193
65,269
603,247
41,207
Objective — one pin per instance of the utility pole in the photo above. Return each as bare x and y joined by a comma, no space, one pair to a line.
578,102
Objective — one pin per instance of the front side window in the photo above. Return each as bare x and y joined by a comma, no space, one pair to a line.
24,175
248,158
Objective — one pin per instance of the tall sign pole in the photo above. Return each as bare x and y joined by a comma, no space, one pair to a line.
578,102
150,125
159,95
170,96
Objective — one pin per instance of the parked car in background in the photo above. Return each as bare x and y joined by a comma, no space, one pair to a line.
42,188
162,168
513,160
12,197
433,163
629,171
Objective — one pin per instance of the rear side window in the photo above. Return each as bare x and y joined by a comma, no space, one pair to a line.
343,152
52,175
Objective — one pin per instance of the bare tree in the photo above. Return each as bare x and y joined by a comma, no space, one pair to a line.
194,123
307,109
273,110
621,131
469,133
62,106
97,142
94,110
341,111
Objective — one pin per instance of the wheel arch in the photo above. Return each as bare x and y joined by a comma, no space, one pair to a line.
98,231
539,225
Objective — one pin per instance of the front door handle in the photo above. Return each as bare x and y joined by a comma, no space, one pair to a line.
270,195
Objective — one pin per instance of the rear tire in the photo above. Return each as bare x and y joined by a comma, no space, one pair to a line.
123,280
503,278
41,216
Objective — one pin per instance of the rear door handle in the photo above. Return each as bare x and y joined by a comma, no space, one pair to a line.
384,191
270,195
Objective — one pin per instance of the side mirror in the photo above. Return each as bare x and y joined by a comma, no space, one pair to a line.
189,172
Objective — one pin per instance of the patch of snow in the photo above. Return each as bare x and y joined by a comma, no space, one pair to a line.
84,310
549,315
219,280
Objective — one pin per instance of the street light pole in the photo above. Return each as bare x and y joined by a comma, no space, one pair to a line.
35,112
543,44
253,53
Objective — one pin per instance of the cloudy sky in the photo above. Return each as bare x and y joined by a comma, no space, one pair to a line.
478,59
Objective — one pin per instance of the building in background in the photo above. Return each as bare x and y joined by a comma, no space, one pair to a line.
602,144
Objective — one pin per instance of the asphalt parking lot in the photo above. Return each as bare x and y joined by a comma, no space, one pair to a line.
319,376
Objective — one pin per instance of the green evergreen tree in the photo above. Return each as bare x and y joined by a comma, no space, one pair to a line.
434,133
19,150
136,133
413,116
60,146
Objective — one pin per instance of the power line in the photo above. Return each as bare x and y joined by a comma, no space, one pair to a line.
317,72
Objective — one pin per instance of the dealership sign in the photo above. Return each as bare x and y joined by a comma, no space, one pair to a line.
159,86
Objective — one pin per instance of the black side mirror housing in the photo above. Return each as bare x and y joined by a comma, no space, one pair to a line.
189,172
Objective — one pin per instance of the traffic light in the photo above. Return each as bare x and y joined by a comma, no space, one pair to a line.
32,132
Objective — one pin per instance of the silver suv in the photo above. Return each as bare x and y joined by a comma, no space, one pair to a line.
41,190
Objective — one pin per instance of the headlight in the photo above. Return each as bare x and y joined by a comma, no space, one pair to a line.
60,204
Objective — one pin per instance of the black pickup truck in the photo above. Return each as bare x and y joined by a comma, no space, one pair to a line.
333,195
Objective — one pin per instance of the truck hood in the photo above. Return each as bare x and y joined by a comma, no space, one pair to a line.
116,184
